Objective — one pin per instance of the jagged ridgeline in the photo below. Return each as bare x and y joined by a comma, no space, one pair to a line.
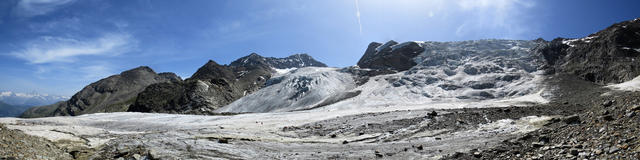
389,74
142,90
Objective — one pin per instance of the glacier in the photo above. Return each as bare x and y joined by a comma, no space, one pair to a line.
447,75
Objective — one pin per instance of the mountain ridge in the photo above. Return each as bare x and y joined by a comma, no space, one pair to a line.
213,85
225,83
110,94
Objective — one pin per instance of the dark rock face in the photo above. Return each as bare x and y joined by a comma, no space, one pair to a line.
390,56
112,94
214,85
608,56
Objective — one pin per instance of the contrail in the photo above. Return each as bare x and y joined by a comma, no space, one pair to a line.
358,16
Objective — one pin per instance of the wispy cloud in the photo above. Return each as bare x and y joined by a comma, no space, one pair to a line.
48,49
358,16
30,8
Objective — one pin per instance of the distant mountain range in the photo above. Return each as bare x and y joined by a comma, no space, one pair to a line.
29,99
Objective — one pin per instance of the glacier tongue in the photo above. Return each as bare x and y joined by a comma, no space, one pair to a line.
300,89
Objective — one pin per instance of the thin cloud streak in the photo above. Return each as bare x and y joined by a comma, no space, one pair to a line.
48,49
30,8
358,16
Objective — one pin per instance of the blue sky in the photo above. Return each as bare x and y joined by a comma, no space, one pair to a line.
59,46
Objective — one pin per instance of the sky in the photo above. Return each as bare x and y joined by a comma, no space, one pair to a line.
59,46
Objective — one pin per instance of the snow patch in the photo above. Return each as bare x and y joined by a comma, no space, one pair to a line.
283,71
570,42
398,46
385,45
632,85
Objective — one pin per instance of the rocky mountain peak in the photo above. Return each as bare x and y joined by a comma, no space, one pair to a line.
212,70
390,55
139,73
112,94
252,60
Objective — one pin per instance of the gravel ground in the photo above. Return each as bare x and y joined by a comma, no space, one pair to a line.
17,145
606,129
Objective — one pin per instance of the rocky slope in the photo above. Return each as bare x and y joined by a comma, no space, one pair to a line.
7,110
111,94
608,56
215,85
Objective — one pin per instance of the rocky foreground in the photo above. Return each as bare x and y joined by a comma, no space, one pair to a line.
606,127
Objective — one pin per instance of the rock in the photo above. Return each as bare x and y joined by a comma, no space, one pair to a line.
137,157
433,113
583,154
584,58
574,152
630,114
543,139
223,140
477,154
378,154
537,144
573,119
345,142
613,149
597,151
420,147
607,103
608,118
390,56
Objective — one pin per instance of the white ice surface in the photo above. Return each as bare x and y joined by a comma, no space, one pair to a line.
296,90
